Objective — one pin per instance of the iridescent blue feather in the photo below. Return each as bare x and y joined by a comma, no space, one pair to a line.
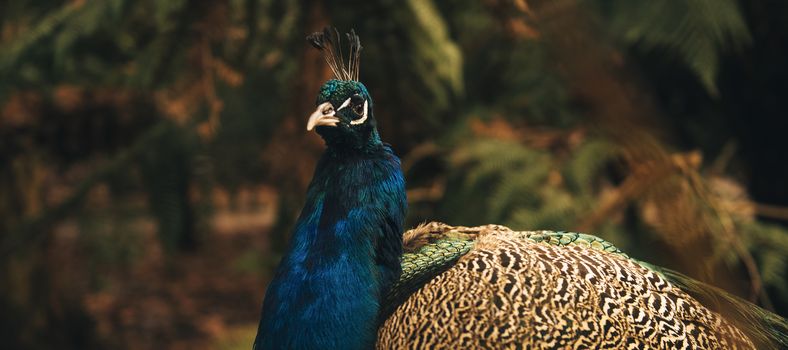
345,248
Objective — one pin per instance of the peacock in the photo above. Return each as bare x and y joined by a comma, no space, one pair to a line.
352,279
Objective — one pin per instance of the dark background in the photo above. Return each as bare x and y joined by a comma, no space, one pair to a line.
153,154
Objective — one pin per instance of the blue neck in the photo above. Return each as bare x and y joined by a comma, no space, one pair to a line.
344,255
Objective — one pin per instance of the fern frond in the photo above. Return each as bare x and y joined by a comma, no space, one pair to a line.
512,186
487,158
586,164
696,31
14,51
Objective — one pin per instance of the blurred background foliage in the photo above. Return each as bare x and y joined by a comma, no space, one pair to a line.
153,153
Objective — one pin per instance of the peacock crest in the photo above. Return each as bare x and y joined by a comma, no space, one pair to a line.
329,43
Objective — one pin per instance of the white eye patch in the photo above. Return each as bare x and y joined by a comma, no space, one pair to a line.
363,116
344,104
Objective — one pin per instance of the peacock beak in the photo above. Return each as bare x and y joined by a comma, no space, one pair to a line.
323,115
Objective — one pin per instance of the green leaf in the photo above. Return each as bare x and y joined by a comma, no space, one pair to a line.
696,31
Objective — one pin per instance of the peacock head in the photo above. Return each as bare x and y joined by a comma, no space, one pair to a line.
343,116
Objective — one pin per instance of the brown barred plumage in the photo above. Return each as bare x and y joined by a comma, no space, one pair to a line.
539,290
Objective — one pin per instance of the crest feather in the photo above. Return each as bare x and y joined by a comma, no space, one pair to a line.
329,43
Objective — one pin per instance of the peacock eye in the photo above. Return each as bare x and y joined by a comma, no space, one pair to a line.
359,110
328,110
357,103
359,107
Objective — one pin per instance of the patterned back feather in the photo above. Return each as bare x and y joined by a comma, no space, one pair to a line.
491,287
